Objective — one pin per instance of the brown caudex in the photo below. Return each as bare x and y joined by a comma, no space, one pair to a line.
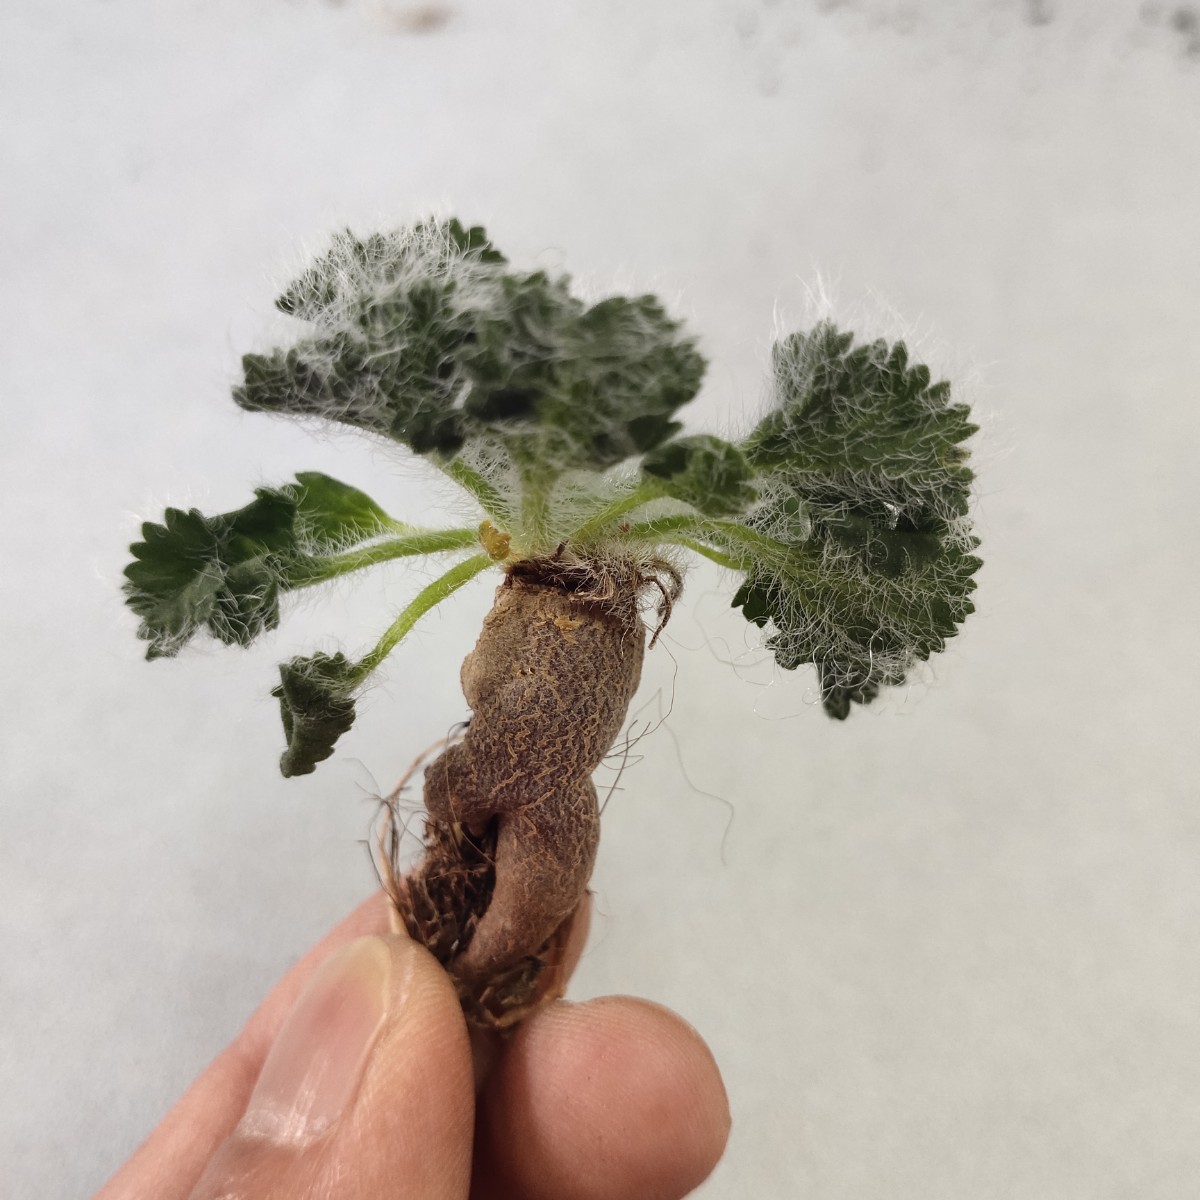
513,820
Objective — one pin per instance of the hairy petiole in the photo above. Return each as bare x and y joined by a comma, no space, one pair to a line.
470,480
602,522
432,541
428,597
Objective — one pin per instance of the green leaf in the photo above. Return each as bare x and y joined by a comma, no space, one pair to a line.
860,549
858,424
710,474
331,515
606,385
225,573
860,631
425,336
315,695
353,266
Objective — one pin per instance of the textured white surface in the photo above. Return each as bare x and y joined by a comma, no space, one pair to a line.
948,949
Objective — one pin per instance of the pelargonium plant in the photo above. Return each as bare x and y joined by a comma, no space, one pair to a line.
842,518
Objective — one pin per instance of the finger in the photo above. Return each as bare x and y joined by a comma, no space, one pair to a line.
169,1162
610,1098
367,1090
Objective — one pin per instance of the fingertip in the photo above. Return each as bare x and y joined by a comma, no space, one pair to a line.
372,916
612,1097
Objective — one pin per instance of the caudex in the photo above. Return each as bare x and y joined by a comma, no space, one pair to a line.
843,516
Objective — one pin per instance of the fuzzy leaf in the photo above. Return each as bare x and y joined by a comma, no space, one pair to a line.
352,265
426,337
225,572
860,551
331,514
710,474
853,420
861,631
316,702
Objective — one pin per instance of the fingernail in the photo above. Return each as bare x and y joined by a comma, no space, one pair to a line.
316,1063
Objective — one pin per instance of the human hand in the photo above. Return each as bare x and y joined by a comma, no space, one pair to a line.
355,1080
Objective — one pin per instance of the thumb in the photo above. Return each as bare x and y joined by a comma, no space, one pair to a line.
367,1091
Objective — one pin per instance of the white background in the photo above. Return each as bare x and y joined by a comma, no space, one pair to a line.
948,949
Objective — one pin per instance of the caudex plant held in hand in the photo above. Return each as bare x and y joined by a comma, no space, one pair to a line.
842,516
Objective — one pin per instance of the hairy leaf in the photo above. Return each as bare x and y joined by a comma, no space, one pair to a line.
860,551
353,266
331,515
427,337
315,695
860,424
710,474
225,572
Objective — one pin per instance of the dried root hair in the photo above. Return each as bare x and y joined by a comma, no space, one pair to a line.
618,582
